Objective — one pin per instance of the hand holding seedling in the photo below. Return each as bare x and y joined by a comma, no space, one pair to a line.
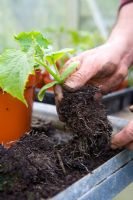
106,66
101,66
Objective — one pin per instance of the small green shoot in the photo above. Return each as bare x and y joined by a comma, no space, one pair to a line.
60,80
44,89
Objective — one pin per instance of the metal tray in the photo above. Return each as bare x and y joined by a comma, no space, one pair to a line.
106,181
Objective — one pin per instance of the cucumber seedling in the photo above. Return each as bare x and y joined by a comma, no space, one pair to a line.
17,64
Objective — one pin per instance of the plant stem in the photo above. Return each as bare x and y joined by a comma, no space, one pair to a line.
56,77
56,69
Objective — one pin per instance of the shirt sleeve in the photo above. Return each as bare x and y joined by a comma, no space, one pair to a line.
124,2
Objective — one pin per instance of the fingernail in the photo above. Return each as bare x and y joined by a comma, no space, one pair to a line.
70,85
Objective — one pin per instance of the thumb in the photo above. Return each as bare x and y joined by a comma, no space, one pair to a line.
75,81
124,137
79,78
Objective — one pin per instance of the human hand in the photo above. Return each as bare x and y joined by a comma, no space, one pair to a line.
105,66
124,138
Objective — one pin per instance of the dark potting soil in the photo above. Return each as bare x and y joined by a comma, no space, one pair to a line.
87,118
44,162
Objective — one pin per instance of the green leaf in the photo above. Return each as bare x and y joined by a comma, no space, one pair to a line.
69,70
44,88
28,39
39,53
52,57
15,68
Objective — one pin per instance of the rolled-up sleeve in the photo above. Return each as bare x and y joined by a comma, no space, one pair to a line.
124,2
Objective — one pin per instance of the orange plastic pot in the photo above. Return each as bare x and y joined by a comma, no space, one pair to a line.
15,117
39,78
45,79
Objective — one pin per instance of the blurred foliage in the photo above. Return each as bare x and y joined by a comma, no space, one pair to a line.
7,24
83,40
79,40
27,15
108,11
130,76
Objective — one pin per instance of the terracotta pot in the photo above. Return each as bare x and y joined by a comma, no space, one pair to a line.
15,117
39,78
44,79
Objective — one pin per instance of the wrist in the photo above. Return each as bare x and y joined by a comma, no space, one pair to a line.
122,36
124,44
123,32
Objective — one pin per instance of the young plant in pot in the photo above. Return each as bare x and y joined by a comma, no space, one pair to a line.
18,77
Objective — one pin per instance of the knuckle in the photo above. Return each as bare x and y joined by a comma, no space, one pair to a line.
79,76
121,76
110,66
104,89
105,69
123,73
